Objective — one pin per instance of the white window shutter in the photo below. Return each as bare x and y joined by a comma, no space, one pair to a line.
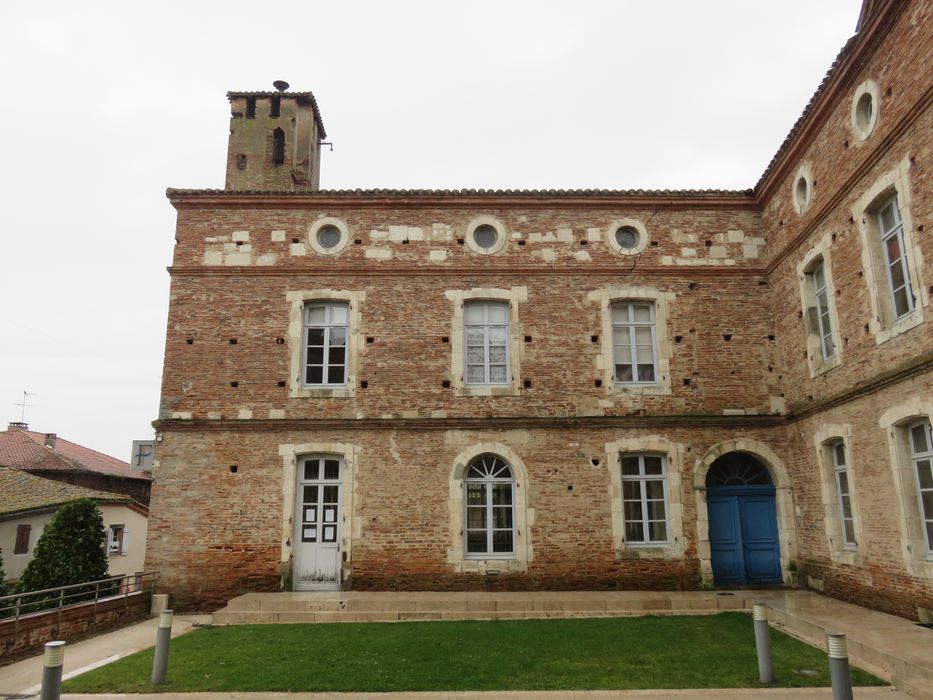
126,541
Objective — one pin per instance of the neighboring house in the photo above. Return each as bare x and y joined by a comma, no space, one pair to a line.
28,503
52,457
557,389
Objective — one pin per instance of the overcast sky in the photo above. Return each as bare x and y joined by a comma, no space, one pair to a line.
105,104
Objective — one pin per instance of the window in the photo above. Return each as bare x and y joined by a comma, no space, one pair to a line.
278,147
627,236
891,230
802,190
490,509
485,235
864,113
275,108
819,315
116,539
486,334
326,344
250,107
644,499
634,345
844,492
328,235
21,545
921,455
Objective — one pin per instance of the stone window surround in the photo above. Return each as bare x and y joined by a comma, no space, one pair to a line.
514,296
486,221
674,456
297,301
783,497
820,251
805,173
338,224
604,361
524,516
352,525
913,543
823,440
893,182
613,244
869,87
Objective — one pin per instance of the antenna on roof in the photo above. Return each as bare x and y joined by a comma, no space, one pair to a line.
280,85
23,404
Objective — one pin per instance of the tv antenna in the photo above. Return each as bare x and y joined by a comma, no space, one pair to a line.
24,404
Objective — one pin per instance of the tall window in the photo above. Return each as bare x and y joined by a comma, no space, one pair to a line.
634,349
490,509
921,453
326,344
21,545
644,499
278,147
823,324
487,343
844,491
891,229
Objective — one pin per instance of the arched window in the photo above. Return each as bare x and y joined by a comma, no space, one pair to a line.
737,469
278,147
490,509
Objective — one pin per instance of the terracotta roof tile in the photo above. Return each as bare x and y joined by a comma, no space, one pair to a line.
176,192
25,449
21,492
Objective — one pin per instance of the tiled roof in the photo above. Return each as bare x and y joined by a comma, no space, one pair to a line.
296,95
174,192
25,449
22,492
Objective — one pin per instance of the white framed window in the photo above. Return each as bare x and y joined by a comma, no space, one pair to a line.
489,509
328,235
921,457
891,230
325,332
486,235
802,190
634,342
117,542
486,343
645,499
865,106
844,494
817,296
627,236
823,322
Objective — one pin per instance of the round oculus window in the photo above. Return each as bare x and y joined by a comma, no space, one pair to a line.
328,237
864,110
485,236
802,192
627,236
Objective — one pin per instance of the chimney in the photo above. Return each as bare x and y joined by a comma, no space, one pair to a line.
50,440
17,425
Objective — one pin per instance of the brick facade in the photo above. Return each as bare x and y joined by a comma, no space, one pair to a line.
724,267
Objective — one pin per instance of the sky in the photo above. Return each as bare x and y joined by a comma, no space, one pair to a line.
105,104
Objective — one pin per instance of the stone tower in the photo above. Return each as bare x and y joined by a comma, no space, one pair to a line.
275,141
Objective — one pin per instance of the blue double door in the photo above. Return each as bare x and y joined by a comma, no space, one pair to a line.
743,536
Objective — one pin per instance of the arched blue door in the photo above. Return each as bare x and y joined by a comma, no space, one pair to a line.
743,532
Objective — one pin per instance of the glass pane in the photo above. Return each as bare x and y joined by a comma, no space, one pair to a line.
310,494
897,275
843,483
338,315
336,356
643,336
497,354
310,515
656,510
497,335
331,469
498,313
476,494
475,355
502,541
930,536
473,313
818,280
620,336
644,354
630,466
849,528
475,374
840,450
634,532
315,336
925,474
893,246
887,218
315,356
846,507
626,237
653,465
328,237
632,510
646,373
623,354
620,313
502,517
502,494
314,375
475,336
309,534
926,498
476,542
654,490
314,315
497,375
918,438
330,494
624,373
476,518
338,336
485,236
335,375
330,533
828,348
312,470
631,490
657,531
901,302
643,313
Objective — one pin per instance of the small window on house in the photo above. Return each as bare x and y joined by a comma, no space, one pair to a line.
278,147
21,546
328,237
634,353
485,236
627,236
645,499
490,509
115,539
819,318
325,344
486,332
802,192
844,493
921,455
891,231
250,107
275,106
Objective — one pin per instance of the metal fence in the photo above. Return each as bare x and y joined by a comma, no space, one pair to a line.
15,607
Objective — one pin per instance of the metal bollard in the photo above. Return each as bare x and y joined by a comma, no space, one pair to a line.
839,666
763,643
52,671
163,636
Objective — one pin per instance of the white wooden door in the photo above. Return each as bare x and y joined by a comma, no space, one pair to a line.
318,516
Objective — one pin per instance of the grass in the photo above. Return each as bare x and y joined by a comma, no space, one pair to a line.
709,651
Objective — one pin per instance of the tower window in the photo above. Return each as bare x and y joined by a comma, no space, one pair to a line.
250,107
276,104
278,147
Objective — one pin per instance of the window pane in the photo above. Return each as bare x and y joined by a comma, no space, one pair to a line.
497,375
642,313
901,302
314,375
643,336
475,355
653,465
657,531
502,541
314,315
310,494
336,356
624,373
620,336
646,373
330,494
897,275
497,355
476,542
631,490
634,532
475,374
930,535
497,335
633,510
925,474
926,498
654,489
644,354
918,438
315,356
818,280
623,354
338,315
338,336
828,346
476,518
887,217
331,469
315,336
630,466
476,494
620,313
893,246
843,483
849,528
502,494
656,510
335,375
312,470
498,313
502,517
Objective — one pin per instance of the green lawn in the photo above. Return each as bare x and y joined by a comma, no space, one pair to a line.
710,651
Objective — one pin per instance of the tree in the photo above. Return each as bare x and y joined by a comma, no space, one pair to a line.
70,550
2,576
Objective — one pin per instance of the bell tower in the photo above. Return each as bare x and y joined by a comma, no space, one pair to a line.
275,141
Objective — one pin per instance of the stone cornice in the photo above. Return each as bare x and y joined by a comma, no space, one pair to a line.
388,269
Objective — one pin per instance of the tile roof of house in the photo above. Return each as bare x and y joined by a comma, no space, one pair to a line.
22,492
25,449
466,192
